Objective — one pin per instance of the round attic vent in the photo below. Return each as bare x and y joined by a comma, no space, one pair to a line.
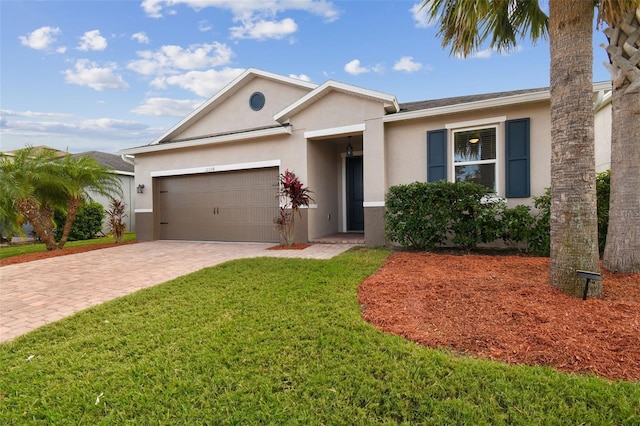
256,101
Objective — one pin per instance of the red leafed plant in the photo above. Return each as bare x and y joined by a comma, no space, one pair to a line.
292,195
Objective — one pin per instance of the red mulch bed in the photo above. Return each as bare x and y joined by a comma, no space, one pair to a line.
54,253
502,308
296,246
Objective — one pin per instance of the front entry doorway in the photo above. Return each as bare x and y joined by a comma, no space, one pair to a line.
355,194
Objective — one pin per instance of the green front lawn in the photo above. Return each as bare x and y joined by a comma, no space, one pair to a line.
275,341
26,248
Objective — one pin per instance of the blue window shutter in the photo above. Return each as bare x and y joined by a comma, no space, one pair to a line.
436,155
517,162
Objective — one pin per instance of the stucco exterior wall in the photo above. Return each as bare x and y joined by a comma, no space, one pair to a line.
322,157
337,109
235,114
602,133
286,149
406,144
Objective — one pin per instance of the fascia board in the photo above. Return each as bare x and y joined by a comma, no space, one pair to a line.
234,137
468,106
490,103
229,90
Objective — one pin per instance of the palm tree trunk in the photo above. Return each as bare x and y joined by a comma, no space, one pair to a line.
574,225
72,211
622,249
40,219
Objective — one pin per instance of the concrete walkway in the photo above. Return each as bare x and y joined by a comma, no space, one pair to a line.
36,293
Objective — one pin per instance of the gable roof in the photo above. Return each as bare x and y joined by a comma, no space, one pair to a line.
390,102
228,91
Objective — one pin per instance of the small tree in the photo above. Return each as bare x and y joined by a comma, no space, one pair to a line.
115,215
292,196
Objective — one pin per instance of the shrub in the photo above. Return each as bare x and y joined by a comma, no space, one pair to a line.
423,215
292,196
474,215
115,215
529,233
518,227
416,215
87,225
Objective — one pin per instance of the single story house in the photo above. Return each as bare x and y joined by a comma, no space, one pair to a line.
213,176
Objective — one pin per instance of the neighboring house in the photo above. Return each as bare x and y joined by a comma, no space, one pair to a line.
213,176
125,173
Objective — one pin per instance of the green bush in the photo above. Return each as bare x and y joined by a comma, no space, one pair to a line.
603,189
87,224
529,233
473,215
424,215
416,215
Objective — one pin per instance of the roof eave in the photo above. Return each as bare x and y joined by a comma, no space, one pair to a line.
210,140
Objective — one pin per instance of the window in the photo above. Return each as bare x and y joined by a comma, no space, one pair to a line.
474,156
472,149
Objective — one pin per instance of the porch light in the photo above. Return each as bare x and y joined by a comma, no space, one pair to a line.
349,149
140,189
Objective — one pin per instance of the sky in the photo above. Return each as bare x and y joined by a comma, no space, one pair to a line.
109,75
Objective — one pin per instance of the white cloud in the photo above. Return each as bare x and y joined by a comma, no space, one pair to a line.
257,19
92,40
202,83
407,64
262,30
245,9
420,16
169,59
140,37
354,68
30,114
302,77
167,107
87,73
41,38
204,26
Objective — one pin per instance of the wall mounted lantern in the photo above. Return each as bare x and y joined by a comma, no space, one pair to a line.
140,189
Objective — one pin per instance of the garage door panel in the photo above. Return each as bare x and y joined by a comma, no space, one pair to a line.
225,206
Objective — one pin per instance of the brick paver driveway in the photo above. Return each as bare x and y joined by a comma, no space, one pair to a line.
36,293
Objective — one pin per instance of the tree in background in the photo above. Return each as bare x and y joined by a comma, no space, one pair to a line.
34,184
466,25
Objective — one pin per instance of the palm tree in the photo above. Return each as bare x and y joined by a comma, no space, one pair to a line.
81,176
30,187
466,25
622,250
34,183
